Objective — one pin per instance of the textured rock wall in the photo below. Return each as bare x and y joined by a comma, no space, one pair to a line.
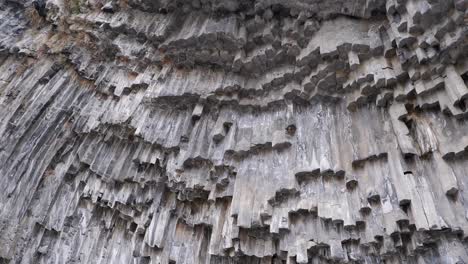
233,131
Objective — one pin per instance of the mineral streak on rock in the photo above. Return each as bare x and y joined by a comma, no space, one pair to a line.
233,131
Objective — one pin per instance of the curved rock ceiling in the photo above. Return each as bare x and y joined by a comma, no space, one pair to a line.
233,131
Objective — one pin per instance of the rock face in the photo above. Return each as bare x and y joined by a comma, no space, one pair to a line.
233,131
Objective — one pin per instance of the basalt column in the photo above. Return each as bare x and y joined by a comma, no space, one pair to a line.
233,131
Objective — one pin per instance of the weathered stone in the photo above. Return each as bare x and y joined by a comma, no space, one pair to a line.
253,131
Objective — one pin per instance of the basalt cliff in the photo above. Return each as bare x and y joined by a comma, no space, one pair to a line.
233,131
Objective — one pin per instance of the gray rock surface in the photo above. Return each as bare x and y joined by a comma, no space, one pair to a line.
233,131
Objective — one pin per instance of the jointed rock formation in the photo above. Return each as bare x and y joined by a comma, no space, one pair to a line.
233,131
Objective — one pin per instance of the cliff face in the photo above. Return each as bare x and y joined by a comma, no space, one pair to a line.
233,131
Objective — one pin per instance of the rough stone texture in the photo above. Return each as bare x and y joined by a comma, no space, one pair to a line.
233,131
